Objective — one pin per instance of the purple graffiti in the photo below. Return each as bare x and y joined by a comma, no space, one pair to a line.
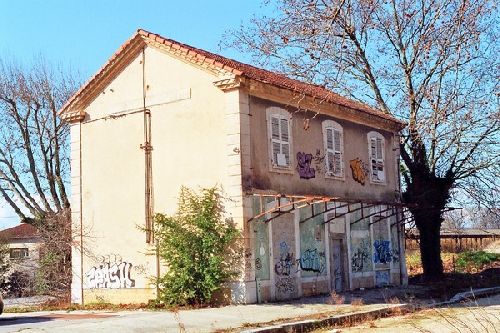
304,166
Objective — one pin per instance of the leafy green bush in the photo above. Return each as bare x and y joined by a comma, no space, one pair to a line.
198,245
475,260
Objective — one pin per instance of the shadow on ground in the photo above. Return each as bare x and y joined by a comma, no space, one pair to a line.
6,320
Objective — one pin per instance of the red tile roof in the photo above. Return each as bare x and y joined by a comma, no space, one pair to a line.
22,231
241,69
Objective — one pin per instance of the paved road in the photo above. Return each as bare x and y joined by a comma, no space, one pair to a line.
201,320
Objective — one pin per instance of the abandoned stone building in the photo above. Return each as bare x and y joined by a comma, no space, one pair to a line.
313,177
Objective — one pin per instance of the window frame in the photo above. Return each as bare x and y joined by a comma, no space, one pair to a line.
21,250
376,135
280,113
334,126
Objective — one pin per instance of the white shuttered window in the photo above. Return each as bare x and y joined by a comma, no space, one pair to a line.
279,135
376,145
334,148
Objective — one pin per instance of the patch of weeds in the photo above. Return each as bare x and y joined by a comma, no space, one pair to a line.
475,260
335,299
357,302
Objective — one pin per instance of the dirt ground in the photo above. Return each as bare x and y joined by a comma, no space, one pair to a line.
482,315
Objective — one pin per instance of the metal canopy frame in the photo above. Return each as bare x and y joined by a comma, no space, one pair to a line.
288,203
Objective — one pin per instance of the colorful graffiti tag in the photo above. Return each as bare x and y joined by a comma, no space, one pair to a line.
284,265
304,166
313,261
359,170
382,251
360,257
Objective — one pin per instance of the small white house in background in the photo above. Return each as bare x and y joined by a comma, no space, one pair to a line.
24,246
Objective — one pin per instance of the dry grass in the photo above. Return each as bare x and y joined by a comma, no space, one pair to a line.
357,302
335,299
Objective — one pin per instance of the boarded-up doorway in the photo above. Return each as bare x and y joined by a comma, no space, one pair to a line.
338,265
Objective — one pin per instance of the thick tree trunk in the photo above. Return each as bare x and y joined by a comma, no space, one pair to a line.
428,195
429,225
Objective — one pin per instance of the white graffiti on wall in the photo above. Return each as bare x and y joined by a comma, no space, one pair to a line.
112,275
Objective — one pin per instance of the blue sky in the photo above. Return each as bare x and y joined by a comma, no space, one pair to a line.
82,35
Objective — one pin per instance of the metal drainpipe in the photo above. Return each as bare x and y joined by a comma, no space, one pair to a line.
148,164
81,213
148,202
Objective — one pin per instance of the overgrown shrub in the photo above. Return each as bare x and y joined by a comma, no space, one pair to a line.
19,284
198,244
4,263
53,275
475,260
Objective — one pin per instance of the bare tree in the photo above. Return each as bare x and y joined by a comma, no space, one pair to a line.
456,219
433,63
34,153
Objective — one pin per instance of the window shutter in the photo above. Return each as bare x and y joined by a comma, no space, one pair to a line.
333,149
337,136
275,128
280,140
330,164
337,140
275,139
337,164
380,159
284,130
377,159
329,138
379,148
285,140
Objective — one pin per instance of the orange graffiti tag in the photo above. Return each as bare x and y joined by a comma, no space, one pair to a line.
359,171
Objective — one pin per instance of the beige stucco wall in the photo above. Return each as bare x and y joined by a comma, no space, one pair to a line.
189,148
310,141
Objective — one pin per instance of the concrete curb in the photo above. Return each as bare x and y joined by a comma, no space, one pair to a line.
309,325
468,295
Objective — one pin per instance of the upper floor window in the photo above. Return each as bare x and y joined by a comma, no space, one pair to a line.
279,134
376,144
19,253
334,148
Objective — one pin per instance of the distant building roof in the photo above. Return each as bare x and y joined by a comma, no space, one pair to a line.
22,231
468,232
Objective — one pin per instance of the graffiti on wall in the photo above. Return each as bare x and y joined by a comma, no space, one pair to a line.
313,261
285,285
382,251
359,170
258,264
382,278
360,257
261,245
319,161
304,168
112,273
284,265
395,255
